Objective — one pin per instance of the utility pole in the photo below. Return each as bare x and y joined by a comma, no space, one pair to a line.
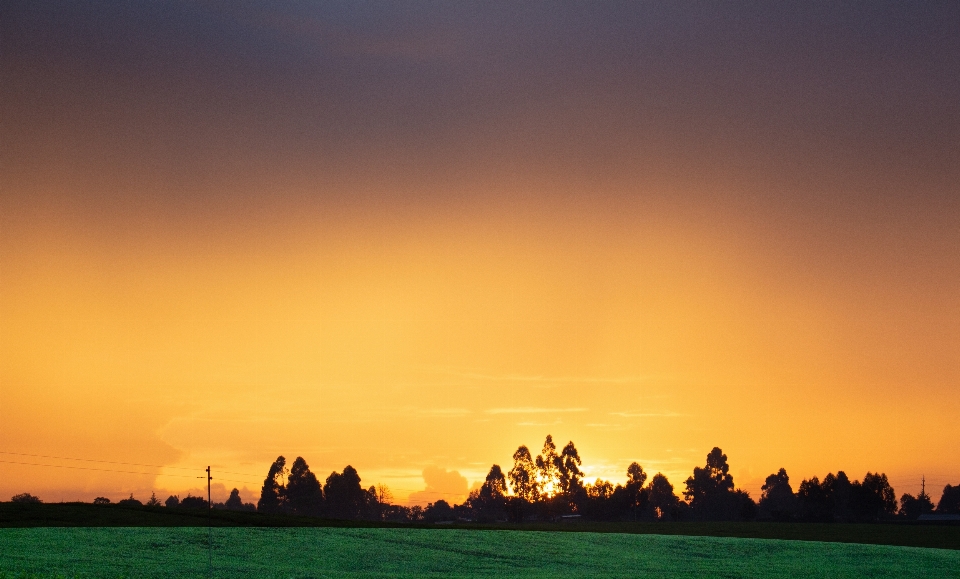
209,530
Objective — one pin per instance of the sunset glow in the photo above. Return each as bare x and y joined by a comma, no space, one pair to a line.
411,242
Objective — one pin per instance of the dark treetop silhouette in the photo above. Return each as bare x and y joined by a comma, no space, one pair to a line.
550,486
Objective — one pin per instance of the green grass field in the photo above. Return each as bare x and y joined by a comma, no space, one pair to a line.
86,515
355,552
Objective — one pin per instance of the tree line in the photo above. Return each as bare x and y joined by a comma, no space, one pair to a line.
551,486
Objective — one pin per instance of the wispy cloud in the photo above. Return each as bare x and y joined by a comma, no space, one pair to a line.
648,414
540,378
557,421
443,411
604,426
533,410
545,381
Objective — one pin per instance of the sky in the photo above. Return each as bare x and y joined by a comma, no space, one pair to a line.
410,237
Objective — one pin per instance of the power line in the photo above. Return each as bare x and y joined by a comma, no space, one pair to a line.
97,469
121,463
104,461
246,482
237,473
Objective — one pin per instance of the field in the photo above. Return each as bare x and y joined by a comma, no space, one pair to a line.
87,515
241,552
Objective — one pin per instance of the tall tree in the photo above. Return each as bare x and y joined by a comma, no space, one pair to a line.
837,489
234,502
661,497
523,475
635,474
345,498
949,503
495,485
569,475
304,495
490,501
636,495
384,497
547,468
710,489
813,502
912,507
873,498
777,499
271,494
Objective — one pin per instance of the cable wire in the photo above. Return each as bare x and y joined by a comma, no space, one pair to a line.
103,461
97,469
245,482
121,463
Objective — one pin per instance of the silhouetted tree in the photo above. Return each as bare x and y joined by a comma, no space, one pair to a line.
192,502
345,498
912,507
813,502
490,500
744,507
371,507
568,472
949,503
416,513
661,499
602,501
303,492
635,474
636,495
547,467
438,511
710,490
153,501
101,501
271,494
873,498
25,498
130,502
838,489
171,502
601,489
523,475
384,497
234,502
777,499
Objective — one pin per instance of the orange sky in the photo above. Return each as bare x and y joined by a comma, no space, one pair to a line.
429,296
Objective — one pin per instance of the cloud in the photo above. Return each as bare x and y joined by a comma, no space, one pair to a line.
443,411
448,485
648,414
557,421
532,410
604,426
546,380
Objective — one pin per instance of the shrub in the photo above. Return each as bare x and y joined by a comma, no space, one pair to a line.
25,498
130,502
192,502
